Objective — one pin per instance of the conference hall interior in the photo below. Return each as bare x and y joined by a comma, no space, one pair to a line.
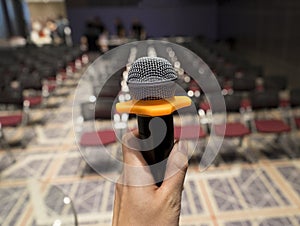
64,66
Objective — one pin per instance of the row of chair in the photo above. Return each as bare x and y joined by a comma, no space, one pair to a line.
261,114
101,108
247,97
246,88
31,65
232,71
25,91
246,84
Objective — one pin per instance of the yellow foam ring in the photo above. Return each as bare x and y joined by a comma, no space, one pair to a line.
154,107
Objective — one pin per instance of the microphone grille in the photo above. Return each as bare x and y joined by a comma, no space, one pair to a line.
151,78
151,70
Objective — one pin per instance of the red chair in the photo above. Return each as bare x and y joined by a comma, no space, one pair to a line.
97,138
90,140
15,110
11,120
189,132
264,102
234,128
295,103
8,121
34,100
293,114
194,134
101,109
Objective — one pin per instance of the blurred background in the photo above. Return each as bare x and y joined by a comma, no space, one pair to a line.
47,177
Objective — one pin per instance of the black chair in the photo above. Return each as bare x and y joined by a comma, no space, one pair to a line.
275,82
12,97
243,84
99,110
32,84
12,116
249,71
295,103
235,128
109,88
228,71
264,102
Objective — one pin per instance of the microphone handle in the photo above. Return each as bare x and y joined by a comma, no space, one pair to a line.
162,150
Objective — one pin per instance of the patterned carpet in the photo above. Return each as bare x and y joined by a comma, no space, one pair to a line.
32,190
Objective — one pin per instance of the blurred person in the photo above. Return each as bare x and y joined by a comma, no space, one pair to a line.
62,24
98,25
90,37
103,42
120,29
149,204
40,35
52,27
137,30
35,31
83,43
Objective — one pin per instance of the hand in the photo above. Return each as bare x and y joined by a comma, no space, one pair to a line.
149,205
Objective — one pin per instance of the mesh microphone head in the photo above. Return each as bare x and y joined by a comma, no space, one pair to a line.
151,78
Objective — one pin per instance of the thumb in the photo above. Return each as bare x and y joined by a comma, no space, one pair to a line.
176,167
130,150
136,172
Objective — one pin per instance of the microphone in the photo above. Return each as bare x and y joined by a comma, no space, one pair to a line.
152,84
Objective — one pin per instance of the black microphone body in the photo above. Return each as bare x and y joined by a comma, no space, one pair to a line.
161,151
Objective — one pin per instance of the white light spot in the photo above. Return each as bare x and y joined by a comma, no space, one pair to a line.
57,223
197,93
190,93
92,98
187,79
67,200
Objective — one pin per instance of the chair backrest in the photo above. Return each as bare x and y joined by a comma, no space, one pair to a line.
295,97
31,81
12,96
276,82
264,99
250,71
228,70
110,88
104,108
217,100
243,84
45,71
5,80
101,109
107,91
233,102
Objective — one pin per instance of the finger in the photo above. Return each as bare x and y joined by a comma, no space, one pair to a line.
117,203
130,148
136,172
176,167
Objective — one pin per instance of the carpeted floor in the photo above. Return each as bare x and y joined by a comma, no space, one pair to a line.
33,189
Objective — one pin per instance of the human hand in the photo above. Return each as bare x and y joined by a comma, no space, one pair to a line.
149,204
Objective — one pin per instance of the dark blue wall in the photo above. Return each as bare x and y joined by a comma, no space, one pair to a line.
158,21
266,27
